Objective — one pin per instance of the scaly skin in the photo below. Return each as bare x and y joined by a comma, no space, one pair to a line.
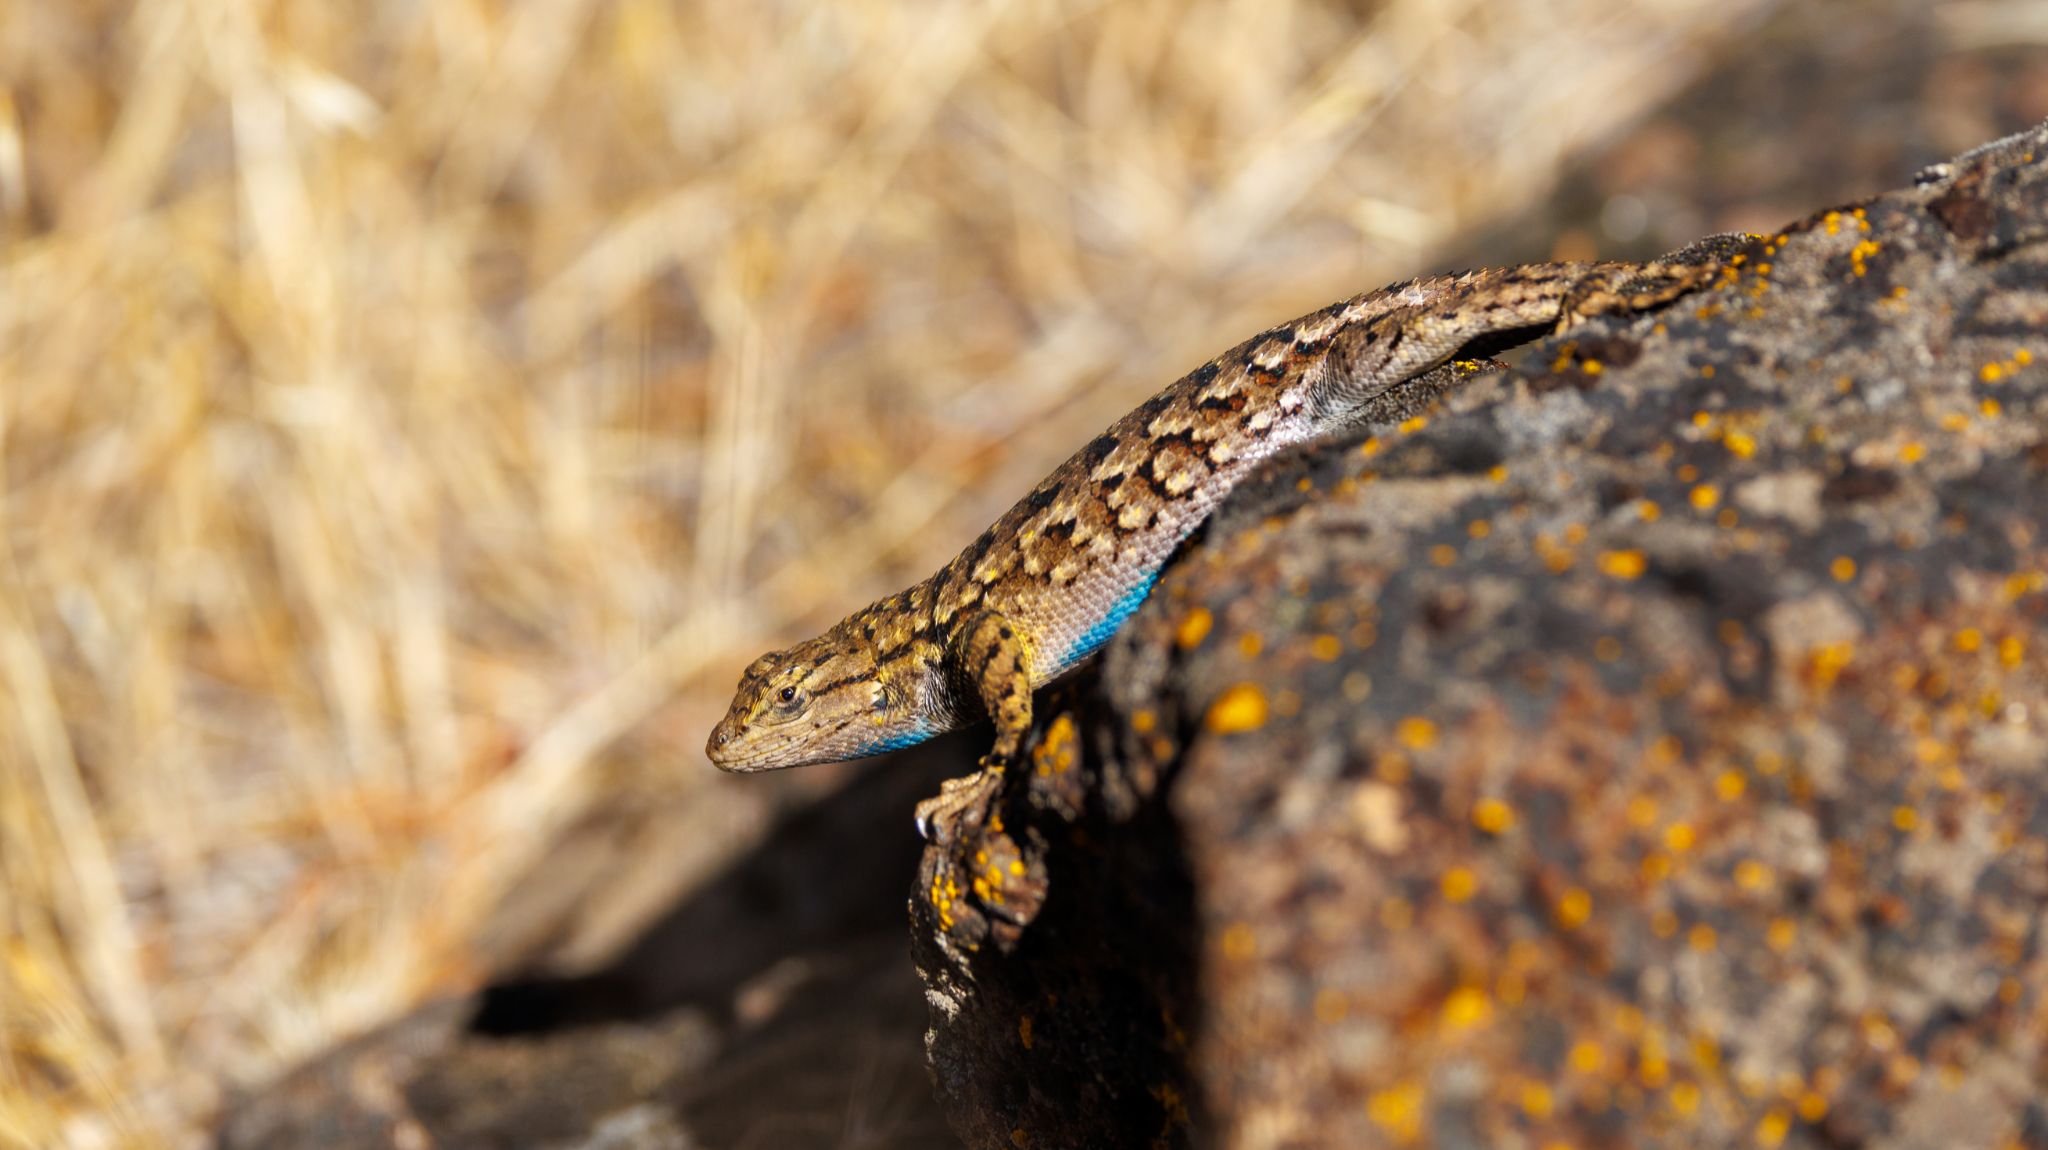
1049,583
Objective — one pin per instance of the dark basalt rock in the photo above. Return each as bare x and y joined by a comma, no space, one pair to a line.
1646,747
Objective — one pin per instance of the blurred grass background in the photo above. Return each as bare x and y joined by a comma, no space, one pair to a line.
413,415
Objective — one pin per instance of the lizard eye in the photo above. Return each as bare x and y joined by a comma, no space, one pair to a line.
788,696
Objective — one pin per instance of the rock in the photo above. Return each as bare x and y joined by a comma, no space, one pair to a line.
1645,747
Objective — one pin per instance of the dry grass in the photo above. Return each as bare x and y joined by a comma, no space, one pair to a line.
402,403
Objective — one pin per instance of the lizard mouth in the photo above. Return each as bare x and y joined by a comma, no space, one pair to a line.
727,748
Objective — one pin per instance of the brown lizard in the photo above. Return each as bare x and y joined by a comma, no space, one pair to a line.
1052,580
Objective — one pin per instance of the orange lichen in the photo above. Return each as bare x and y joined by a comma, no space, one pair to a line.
1459,884
1492,816
1466,1007
1416,733
1574,908
1239,942
1241,708
1623,564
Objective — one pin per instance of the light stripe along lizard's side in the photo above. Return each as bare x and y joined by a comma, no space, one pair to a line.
1054,577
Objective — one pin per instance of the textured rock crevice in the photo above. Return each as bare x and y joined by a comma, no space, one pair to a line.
1648,745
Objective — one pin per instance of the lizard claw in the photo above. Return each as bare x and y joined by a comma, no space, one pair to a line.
963,799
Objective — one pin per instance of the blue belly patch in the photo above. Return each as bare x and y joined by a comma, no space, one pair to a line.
1094,637
898,741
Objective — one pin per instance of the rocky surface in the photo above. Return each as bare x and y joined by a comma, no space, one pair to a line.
1647,746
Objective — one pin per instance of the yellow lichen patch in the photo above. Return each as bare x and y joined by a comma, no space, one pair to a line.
1330,1006
1466,1007
1443,555
1912,452
1772,1128
1054,754
1325,648
1250,644
1492,816
1623,564
1752,875
1968,639
1861,253
1479,529
1991,372
1781,934
1591,367
1412,424
1194,627
1740,444
1459,884
1607,648
1705,497
1843,568
1574,908
1685,1099
1730,784
2012,650
1828,661
1241,708
1370,447
1680,837
1239,942
1905,818
1990,409
1557,559
1415,733
1642,811
1024,1031
1537,1102
1701,938
1398,1109
1648,510
1497,474
1653,1067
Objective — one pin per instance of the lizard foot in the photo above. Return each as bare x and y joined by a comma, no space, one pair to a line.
962,800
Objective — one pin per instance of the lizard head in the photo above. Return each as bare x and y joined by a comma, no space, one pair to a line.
829,698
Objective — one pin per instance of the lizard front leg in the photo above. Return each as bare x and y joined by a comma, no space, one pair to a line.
994,654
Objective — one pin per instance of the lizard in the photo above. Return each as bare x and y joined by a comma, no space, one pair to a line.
1051,580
